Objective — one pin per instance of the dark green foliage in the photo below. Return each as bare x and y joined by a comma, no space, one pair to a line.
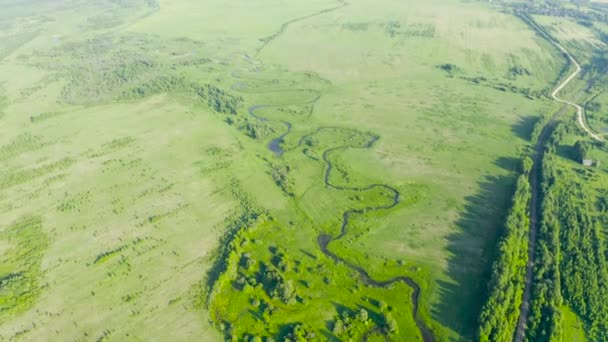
300,333
499,315
101,69
217,99
230,246
280,175
349,323
544,320
593,106
20,272
571,255
581,150
516,71
390,323
451,69
105,256
257,129
246,261
157,85
276,286
43,116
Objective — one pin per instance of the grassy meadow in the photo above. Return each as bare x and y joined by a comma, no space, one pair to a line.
144,196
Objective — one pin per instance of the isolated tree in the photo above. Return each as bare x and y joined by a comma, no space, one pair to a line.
392,326
338,327
363,316
382,305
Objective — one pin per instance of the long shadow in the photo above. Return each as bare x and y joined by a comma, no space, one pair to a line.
524,127
510,164
473,250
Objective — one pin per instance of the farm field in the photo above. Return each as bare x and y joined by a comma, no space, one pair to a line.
261,170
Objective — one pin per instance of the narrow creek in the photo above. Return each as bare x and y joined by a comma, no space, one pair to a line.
324,240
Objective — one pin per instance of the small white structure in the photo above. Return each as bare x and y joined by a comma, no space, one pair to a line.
591,162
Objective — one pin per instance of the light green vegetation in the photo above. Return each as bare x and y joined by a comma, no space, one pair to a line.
448,125
573,327
498,319
24,244
574,36
126,132
570,242
567,300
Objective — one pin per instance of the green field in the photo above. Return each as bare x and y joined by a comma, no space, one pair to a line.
256,169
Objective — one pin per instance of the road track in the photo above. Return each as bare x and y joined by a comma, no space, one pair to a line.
535,172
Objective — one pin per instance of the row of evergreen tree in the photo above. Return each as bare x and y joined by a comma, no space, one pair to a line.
499,316
570,253
571,257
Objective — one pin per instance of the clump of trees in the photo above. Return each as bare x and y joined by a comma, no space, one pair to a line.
499,315
280,175
581,150
451,69
230,253
21,265
300,333
516,71
571,257
157,85
255,129
545,319
347,323
217,99
275,284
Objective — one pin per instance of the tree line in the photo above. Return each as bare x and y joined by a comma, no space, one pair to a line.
500,313
215,98
571,265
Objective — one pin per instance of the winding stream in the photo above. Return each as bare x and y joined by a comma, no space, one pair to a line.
275,144
324,240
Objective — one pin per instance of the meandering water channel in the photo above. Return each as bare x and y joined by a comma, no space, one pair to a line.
324,240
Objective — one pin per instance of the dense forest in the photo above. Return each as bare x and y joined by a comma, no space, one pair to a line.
499,316
571,260
571,268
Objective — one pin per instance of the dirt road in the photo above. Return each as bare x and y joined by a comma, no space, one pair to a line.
534,178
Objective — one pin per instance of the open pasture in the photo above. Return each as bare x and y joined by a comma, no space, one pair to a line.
208,170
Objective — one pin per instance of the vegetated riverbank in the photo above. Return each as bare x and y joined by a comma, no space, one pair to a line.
247,271
324,240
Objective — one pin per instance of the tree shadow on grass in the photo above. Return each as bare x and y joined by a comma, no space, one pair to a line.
508,163
523,128
473,250
567,152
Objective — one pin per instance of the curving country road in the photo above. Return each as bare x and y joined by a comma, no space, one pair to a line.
534,174
580,112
